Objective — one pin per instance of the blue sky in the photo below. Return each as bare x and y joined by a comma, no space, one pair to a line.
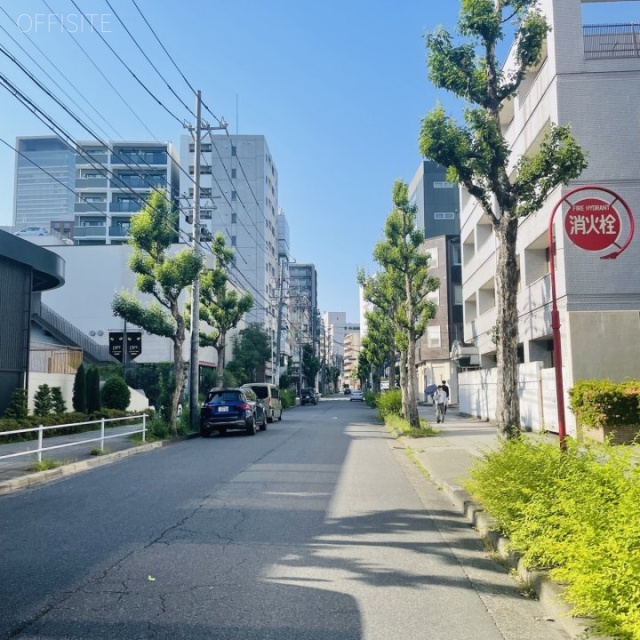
337,88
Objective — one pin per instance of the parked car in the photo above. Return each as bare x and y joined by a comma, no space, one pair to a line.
252,398
308,395
269,394
227,409
347,391
357,395
32,231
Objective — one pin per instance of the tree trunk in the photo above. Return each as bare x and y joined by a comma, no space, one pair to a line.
412,383
222,344
178,369
403,385
392,366
508,402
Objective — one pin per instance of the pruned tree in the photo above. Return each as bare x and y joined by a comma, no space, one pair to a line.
251,350
310,364
221,307
79,396
406,268
478,156
163,276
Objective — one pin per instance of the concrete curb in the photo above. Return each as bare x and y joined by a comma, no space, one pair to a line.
41,477
549,593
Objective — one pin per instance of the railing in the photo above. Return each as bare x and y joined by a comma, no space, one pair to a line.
61,327
41,429
611,40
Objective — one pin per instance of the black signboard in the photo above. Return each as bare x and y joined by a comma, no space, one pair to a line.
116,338
134,344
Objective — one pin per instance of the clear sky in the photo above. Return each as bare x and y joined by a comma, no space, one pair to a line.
337,88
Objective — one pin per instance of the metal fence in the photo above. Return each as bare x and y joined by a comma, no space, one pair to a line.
611,41
101,438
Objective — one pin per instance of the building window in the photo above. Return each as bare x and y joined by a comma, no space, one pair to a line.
234,150
206,214
234,195
234,173
455,254
457,294
433,337
205,192
205,169
233,241
443,185
434,296
234,217
205,147
444,215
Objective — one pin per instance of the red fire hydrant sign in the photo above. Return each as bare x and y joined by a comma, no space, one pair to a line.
592,224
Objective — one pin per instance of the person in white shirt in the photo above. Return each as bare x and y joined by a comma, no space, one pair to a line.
441,403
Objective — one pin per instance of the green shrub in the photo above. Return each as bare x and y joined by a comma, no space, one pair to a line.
602,403
79,398
287,398
42,402
389,403
575,513
116,394
93,390
58,404
18,408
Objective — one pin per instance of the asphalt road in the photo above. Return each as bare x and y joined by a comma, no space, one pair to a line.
320,528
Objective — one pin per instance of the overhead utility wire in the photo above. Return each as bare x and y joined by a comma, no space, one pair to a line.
126,66
155,35
124,26
56,83
105,77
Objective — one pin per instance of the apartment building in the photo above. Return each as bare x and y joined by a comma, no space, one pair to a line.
351,356
438,215
89,193
589,78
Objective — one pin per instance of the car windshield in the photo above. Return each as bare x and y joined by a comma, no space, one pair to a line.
223,397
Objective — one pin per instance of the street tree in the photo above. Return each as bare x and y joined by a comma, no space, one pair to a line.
383,291
221,307
310,364
251,351
477,154
162,275
401,256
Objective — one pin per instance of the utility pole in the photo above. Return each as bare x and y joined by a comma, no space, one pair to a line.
194,361
279,328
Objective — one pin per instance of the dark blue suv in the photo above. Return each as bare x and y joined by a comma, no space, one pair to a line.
225,410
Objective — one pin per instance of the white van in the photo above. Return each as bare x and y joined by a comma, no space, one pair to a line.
269,394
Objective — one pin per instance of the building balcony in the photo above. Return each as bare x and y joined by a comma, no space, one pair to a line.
125,207
89,207
90,232
91,183
141,157
611,41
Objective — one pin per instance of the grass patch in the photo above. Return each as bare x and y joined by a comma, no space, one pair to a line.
99,452
403,428
45,465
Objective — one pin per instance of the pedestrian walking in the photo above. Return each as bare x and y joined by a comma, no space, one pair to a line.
440,403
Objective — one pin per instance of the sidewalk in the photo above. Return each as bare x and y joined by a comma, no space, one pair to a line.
447,458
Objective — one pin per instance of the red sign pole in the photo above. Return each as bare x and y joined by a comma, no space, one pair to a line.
592,236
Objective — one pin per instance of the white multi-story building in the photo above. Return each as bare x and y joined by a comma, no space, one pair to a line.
589,78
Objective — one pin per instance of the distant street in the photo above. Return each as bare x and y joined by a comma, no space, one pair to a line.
320,528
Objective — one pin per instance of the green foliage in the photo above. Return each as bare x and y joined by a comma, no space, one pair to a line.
251,350
402,427
389,403
18,408
79,398
310,364
287,398
575,513
42,402
58,405
371,399
221,307
93,390
602,403
116,394
44,465
163,276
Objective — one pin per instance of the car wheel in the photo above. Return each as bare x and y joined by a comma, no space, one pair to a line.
251,427
270,417
204,432
222,432
280,416
263,424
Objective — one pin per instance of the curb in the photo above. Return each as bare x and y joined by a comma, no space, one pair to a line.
41,477
549,593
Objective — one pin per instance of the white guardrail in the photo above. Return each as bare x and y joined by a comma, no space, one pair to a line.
41,429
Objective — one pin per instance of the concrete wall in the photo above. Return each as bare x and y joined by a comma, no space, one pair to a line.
536,390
